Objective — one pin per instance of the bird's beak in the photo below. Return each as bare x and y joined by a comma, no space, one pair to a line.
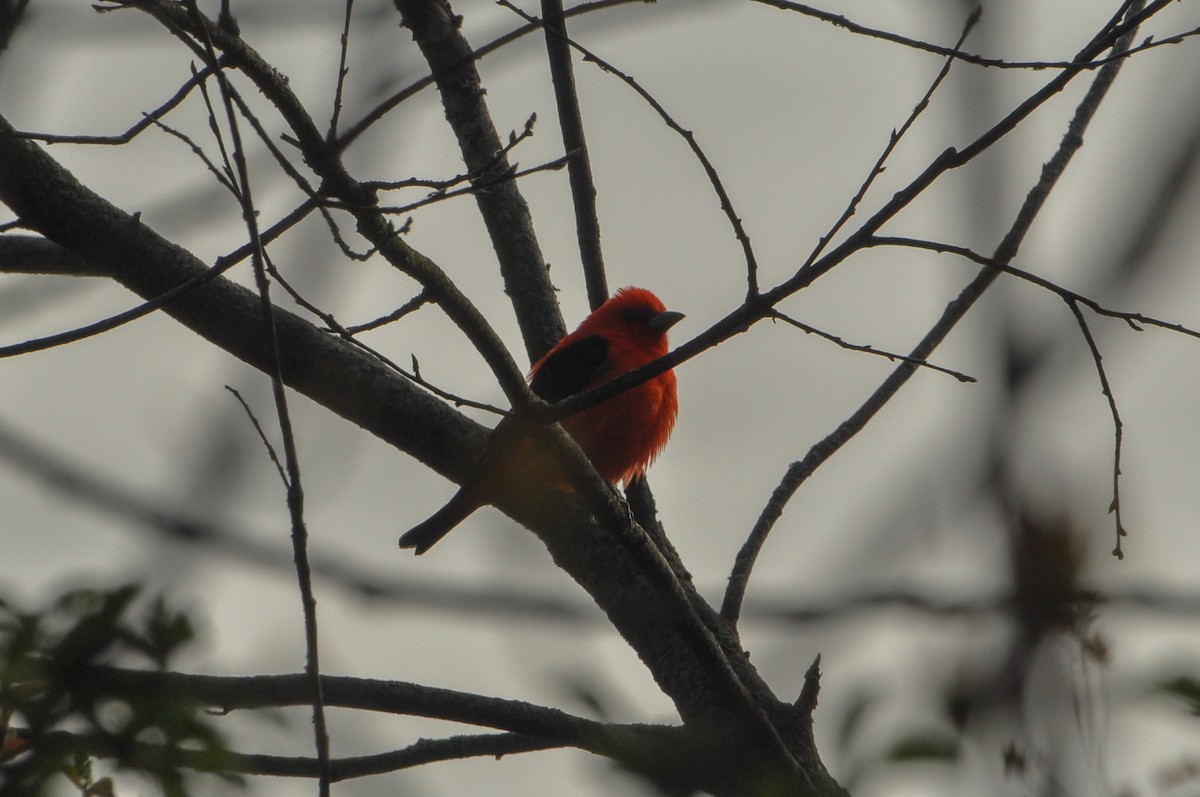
665,320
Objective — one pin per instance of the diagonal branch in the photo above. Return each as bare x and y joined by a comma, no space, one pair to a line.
717,692
382,109
50,255
808,329
579,169
1095,62
665,753
750,312
1135,320
893,141
349,382
798,472
710,170
504,211
324,159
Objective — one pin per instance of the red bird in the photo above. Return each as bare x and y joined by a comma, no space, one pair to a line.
621,436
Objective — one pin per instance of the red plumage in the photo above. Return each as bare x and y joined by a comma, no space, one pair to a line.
621,436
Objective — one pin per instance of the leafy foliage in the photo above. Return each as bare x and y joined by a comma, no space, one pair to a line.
56,722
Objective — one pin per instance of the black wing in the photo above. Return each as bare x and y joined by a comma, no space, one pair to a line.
569,370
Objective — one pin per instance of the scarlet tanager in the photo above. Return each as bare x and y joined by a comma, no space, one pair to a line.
621,436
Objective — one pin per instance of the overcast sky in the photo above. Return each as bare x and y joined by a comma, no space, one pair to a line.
793,113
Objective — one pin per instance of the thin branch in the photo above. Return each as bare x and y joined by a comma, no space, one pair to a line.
150,756
413,376
579,170
384,108
893,141
337,182
232,693
232,182
514,140
1118,427
867,349
837,20
222,176
138,127
714,178
222,265
505,214
262,435
425,751
343,70
1136,321
798,472
457,400
295,490
480,185
409,307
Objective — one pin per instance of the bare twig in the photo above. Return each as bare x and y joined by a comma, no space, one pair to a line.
337,182
382,109
1118,426
413,376
798,472
867,349
579,170
739,230
514,140
409,307
262,435
476,186
222,176
1136,321
424,751
343,70
148,119
893,141
997,63
240,173
222,265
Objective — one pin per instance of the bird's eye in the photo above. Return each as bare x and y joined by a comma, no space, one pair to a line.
636,315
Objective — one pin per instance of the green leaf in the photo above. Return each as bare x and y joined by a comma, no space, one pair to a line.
1183,686
924,746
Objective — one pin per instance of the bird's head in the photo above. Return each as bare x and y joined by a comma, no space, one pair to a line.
641,315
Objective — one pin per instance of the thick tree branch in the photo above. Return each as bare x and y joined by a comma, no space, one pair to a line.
719,695
327,370
665,754
324,159
579,169
30,254
231,693
435,28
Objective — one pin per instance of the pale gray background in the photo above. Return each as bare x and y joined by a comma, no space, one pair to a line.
793,113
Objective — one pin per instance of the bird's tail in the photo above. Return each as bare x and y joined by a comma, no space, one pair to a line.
425,535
